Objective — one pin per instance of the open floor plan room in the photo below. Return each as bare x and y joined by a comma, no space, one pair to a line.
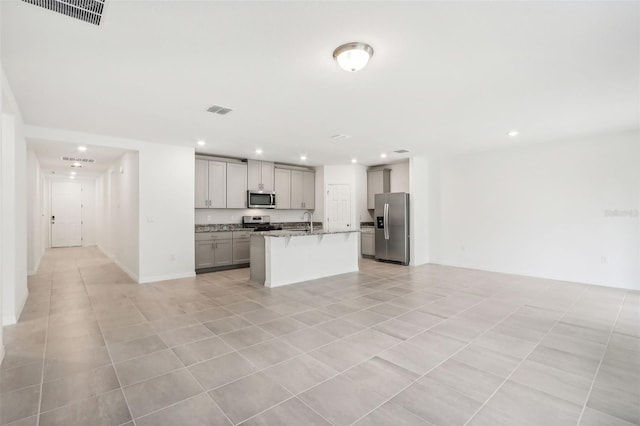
428,345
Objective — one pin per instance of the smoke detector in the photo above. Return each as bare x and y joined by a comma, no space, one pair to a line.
85,10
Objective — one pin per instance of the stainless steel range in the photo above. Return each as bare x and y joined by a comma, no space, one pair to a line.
259,223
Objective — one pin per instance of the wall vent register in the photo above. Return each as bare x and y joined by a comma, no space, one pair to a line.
217,109
85,10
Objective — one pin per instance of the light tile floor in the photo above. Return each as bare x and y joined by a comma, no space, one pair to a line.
389,345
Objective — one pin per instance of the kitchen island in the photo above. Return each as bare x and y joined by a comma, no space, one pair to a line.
287,257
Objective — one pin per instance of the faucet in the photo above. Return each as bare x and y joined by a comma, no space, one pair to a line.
310,220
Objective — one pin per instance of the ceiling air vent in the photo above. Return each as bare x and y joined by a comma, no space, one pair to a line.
79,160
401,151
85,10
217,109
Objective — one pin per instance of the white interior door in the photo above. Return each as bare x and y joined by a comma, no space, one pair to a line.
338,204
66,214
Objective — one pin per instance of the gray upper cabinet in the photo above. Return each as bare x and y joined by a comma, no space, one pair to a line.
202,184
260,175
217,184
236,185
303,189
283,188
378,182
210,184
309,190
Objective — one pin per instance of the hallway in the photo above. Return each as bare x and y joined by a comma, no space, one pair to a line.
387,345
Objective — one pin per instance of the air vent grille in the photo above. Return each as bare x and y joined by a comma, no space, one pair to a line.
85,10
79,160
401,151
217,109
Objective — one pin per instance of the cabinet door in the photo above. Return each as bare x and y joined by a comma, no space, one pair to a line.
241,251
204,254
202,184
267,173
283,188
367,244
236,185
297,189
222,253
309,190
217,184
254,177
374,186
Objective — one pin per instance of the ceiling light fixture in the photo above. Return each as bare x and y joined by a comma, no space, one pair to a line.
513,133
354,160
76,164
201,143
353,56
383,155
82,148
72,177
259,151
73,173
303,158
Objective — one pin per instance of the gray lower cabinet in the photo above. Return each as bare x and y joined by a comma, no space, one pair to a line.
213,249
367,242
241,240
222,253
204,254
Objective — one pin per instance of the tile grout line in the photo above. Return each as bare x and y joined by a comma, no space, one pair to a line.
584,291
441,362
44,353
604,353
106,346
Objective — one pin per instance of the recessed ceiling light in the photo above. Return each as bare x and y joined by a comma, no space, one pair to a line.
72,177
513,133
201,143
353,56
82,148
354,160
303,158
73,173
383,155
258,151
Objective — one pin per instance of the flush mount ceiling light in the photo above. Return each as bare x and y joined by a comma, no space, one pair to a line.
259,151
354,160
513,133
353,56
201,143
82,148
383,155
303,158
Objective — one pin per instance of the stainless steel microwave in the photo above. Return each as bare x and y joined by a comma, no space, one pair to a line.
261,199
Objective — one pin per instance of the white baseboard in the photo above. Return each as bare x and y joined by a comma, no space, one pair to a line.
23,302
157,278
1,354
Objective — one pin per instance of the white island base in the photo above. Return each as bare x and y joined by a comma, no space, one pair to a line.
281,257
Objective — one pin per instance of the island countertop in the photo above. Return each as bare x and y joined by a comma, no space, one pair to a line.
302,233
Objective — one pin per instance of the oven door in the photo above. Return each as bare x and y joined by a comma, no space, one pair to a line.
261,200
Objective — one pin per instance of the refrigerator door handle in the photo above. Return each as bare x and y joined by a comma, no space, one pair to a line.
386,221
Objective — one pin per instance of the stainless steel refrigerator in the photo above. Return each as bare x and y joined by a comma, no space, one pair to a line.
392,227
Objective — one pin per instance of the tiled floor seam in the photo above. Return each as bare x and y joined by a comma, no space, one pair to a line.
440,363
113,365
604,353
44,354
584,291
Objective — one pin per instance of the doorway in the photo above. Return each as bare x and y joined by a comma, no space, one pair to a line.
66,214
338,204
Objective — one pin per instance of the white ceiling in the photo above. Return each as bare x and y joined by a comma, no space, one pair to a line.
50,156
446,77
